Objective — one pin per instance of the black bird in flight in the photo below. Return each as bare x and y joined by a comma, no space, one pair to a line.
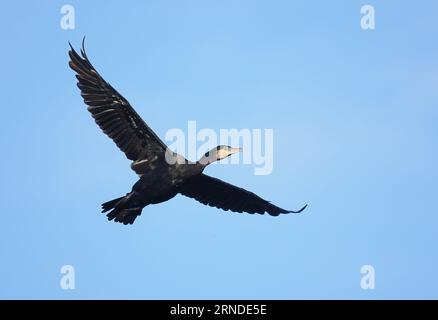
163,173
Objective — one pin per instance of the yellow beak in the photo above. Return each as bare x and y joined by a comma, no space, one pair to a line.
235,150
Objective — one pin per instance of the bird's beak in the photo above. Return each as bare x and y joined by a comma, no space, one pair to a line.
235,150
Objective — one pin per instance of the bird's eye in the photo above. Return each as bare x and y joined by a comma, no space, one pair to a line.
207,154
218,148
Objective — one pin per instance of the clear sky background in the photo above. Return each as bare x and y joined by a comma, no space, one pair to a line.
355,116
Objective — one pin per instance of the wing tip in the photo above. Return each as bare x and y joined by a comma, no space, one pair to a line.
83,53
83,48
299,211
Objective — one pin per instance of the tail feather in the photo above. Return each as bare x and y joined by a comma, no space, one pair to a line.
125,216
124,209
107,206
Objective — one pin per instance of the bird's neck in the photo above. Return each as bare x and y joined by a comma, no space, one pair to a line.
200,165
205,161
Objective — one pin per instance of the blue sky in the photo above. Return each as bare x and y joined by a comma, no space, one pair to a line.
354,114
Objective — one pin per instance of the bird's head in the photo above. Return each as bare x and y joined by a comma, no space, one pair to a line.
218,153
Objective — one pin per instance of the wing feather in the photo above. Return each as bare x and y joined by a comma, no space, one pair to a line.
113,113
217,193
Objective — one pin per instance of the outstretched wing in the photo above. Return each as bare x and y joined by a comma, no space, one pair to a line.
113,113
217,193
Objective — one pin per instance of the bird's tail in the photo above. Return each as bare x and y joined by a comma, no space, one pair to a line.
123,209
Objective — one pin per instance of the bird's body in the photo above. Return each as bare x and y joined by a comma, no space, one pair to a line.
158,182
163,181
162,173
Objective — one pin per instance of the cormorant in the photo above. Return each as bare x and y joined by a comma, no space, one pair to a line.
163,174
